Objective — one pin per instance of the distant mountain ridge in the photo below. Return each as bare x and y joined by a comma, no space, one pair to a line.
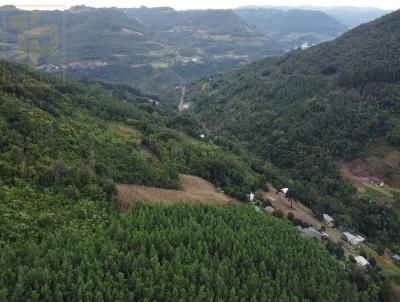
156,48
347,15
293,27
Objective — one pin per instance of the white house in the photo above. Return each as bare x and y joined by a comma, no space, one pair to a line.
284,190
361,261
328,220
353,239
202,135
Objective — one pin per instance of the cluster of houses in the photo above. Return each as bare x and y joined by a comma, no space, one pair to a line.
353,239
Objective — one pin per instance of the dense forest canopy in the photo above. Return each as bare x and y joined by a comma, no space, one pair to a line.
188,253
310,109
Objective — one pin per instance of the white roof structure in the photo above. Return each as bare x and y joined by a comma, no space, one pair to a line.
310,232
396,257
251,196
285,190
353,239
328,218
269,209
202,135
361,261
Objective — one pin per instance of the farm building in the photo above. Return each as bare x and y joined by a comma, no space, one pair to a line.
361,261
311,232
353,239
328,220
377,181
269,209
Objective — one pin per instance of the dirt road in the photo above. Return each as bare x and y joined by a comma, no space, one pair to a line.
182,100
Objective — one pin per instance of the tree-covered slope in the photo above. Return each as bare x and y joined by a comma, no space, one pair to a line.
81,138
293,27
62,147
187,253
309,109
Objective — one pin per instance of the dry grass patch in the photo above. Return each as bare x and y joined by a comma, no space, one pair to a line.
194,190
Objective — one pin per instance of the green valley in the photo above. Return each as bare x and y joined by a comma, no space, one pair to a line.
310,110
63,147
154,154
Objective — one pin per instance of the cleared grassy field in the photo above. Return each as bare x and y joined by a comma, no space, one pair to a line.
382,261
194,190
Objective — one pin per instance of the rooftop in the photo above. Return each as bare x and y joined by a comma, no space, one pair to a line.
361,260
269,209
328,218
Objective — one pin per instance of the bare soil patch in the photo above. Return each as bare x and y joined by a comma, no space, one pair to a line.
299,210
363,180
377,166
194,190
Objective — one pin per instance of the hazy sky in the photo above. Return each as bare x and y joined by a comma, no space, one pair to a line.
193,4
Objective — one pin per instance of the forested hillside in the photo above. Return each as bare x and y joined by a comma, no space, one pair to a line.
188,253
81,138
294,27
62,147
309,110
